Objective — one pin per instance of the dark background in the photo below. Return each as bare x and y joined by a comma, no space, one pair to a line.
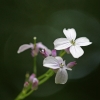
21,20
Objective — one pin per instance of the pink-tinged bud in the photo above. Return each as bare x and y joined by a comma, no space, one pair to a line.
26,84
71,64
44,53
53,53
35,83
31,77
27,75
67,50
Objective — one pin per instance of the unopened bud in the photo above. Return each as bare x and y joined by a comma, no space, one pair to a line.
31,77
34,38
26,84
53,53
43,52
67,50
35,83
71,64
27,75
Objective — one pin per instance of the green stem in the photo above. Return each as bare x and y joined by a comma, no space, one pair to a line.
44,75
21,95
34,66
28,94
62,54
47,76
34,59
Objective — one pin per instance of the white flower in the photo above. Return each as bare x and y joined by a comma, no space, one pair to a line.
35,51
58,64
69,41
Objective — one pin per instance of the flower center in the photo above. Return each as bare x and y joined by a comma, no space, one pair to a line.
61,65
73,42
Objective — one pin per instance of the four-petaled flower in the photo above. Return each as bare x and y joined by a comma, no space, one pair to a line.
69,41
35,51
57,63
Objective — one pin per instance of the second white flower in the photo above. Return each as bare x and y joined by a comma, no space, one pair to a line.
57,63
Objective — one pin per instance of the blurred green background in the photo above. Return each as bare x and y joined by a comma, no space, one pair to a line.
21,20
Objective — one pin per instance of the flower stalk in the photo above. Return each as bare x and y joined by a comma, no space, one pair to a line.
34,59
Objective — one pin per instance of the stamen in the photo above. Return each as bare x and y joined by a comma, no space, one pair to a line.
61,65
73,42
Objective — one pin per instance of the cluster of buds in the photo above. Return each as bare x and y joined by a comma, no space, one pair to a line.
32,81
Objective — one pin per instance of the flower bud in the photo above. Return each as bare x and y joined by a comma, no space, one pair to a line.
35,83
43,52
53,53
31,77
67,50
26,84
71,64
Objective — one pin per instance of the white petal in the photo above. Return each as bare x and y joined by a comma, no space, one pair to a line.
68,68
76,51
24,47
83,41
60,60
61,76
61,43
51,62
40,45
70,34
